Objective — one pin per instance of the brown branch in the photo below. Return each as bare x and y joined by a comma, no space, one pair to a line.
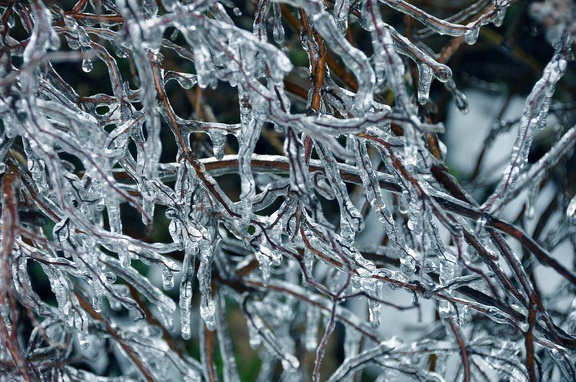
335,67
116,336
10,224
209,353
529,343
463,350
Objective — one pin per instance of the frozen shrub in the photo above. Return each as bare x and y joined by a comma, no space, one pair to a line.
277,165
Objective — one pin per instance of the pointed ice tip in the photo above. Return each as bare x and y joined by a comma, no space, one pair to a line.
571,210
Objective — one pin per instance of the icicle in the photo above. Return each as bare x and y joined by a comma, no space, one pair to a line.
81,326
312,323
404,203
445,309
114,219
167,278
459,97
560,358
119,50
499,18
83,37
249,134
471,35
375,307
410,156
203,67
97,301
73,43
207,305
448,271
447,268
124,256
260,333
186,288
218,138
309,261
264,263
415,215
365,268
424,82
531,202
408,263
278,27
148,203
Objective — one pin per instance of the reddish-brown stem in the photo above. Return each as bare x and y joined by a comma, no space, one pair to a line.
463,350
529,344
116,336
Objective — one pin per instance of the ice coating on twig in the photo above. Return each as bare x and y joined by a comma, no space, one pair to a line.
534,117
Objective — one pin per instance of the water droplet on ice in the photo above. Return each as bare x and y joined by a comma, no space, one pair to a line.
471,35
87,65
443,73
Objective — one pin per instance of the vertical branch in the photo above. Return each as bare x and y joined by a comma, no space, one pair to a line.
529,345
317,57
8,311
463,350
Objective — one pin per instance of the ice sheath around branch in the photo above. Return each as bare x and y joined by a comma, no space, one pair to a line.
534,117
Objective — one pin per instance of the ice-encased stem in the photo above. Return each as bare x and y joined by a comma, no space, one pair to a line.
186,294
535,113
207,304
